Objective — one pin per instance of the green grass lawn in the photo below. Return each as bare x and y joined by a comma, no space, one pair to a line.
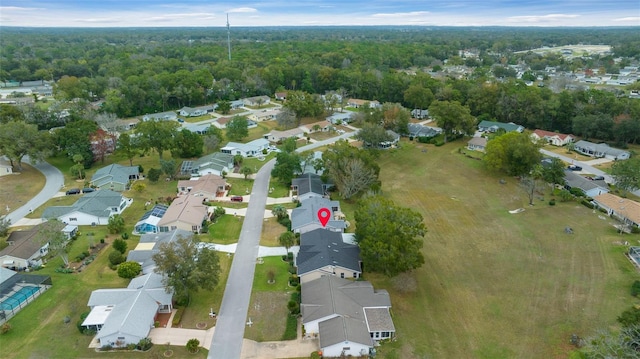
268,307
226,230
277,189
18,188
240,186
494,284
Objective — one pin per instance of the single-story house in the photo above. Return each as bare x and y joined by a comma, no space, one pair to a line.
265,115
418,130
477,144
25,248
280,96
256,101
491,126
323,252
394,139
340,118
305,217
123,316
358,103
192,112
207,187
420,114
277,136
198,128
186,212
236,104
115,177
308,185
348,316
554,138
93,208
221,122
599,150
251,149
589,187
149,245
5,167
323,126
623,209
148,223
215,163
161,116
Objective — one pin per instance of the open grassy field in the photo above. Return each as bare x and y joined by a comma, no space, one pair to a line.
495,284
18,188
271,230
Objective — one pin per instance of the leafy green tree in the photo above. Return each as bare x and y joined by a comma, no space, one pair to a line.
213,139
115,258
287,119
554,171
188,144
352,170
627,173
279,211
186,267
246,171
116,224
372,135
169,167
5,223
154,174
512,153
10,113
224,107
389,236
120,245
237,128
19,139
452,117
51,232
129,270
192,345
418,96
610,344
395,117
237,160
630,317
128,146
157,135
287,167
287,240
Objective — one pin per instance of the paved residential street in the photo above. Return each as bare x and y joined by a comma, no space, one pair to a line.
54,181
227,339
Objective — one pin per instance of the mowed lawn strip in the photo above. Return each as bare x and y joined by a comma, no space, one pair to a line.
494,284
18,188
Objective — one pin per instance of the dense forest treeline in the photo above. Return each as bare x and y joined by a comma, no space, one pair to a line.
142,70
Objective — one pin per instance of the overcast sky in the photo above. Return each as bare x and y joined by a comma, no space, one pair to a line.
165,13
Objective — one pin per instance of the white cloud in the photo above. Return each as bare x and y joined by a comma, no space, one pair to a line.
541,18
19,8
400,14
635,19
242,9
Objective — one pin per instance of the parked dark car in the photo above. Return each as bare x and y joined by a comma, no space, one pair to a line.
236,199
73,191
88,190
574,168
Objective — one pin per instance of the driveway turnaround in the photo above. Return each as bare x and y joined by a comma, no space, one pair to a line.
229,333
54,181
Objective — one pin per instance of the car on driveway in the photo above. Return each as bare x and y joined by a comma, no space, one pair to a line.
236,199
73,191
574,168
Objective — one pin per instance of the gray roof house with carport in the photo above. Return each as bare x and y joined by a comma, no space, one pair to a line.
149,245
323,252
309,185
348,316
115,177
600,150
124,316
589,187
93,208
305,217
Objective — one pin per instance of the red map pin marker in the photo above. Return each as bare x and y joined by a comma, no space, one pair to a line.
324,214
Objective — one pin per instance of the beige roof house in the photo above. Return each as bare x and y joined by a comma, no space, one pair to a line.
206,187
624,209
276,136
186,212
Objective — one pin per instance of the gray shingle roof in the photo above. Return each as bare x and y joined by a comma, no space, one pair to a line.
217,161
114,173
309,182
574,180
144,256
321,247
307,213
25,244
96,203
340,329
379,320
509,127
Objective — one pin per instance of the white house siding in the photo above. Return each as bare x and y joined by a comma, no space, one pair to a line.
13,262
83,219
347,348
124,338
339,272
596,192
313,327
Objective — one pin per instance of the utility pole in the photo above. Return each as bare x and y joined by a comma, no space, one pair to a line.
228,37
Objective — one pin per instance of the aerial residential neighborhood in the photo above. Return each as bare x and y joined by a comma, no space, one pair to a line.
347,192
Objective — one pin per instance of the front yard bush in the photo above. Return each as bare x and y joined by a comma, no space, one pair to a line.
178,317
129,270
145,344
115,258
635,288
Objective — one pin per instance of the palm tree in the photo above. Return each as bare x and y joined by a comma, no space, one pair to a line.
287,239
279,211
